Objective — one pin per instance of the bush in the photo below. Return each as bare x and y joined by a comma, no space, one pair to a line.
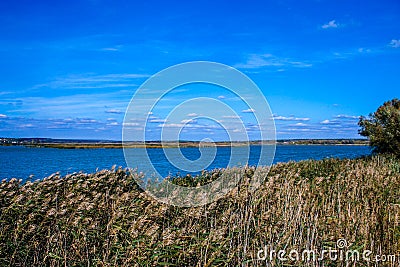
383,128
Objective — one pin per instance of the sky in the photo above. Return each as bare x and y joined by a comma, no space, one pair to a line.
70,68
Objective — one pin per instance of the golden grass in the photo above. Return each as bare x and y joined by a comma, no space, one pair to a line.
104,219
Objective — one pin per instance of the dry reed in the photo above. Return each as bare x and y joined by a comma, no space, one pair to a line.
104,219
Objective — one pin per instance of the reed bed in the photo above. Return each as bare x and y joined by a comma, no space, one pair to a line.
105,219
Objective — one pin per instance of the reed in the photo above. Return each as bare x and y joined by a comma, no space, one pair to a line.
105,219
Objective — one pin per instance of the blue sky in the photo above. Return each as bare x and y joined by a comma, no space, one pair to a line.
70,68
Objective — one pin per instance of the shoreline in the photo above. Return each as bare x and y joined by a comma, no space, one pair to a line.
84,144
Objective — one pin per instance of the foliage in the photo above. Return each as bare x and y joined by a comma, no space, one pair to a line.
383,128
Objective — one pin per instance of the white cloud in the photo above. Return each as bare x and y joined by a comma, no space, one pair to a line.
114,48
354,52
344,116
68,124
157,120
192,115
330,24
29,125
250,110
364,50
300,124
341,121
85,120
291,118
114,111
267,60
131,124
395,43
2,116
333,123
192,126
188,121
87,81
89,105
221,97
171,125
231,117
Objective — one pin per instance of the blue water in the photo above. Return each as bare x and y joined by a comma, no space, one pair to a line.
21,162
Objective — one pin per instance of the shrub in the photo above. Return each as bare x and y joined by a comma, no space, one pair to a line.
383,128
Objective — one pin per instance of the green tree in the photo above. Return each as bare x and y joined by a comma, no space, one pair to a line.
383,128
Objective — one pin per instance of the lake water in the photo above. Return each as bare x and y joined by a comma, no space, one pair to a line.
21,162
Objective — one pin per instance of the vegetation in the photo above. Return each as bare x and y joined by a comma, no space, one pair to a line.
383,128
105,219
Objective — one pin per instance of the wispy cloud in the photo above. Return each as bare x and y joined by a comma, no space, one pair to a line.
326,122
344,116
2,116
109,49
11,102
354,52
250,110
90,104
337,126
131,124
336,123
188,121
157,120
364,50
112,48
330,24
87,81
342,119
66,123
291,118
255,61
341,126
299,124
231,117
395,43
28,125
192,126
114,111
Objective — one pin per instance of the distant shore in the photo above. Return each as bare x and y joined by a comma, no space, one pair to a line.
82,144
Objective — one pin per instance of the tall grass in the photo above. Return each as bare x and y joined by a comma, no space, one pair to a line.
104,219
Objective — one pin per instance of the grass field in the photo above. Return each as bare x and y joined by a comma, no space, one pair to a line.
104,219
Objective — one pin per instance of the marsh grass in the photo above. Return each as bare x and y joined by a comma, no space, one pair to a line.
105,219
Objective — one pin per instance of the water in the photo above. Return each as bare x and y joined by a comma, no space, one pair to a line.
21,162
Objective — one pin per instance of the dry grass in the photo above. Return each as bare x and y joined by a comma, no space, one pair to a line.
104,219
